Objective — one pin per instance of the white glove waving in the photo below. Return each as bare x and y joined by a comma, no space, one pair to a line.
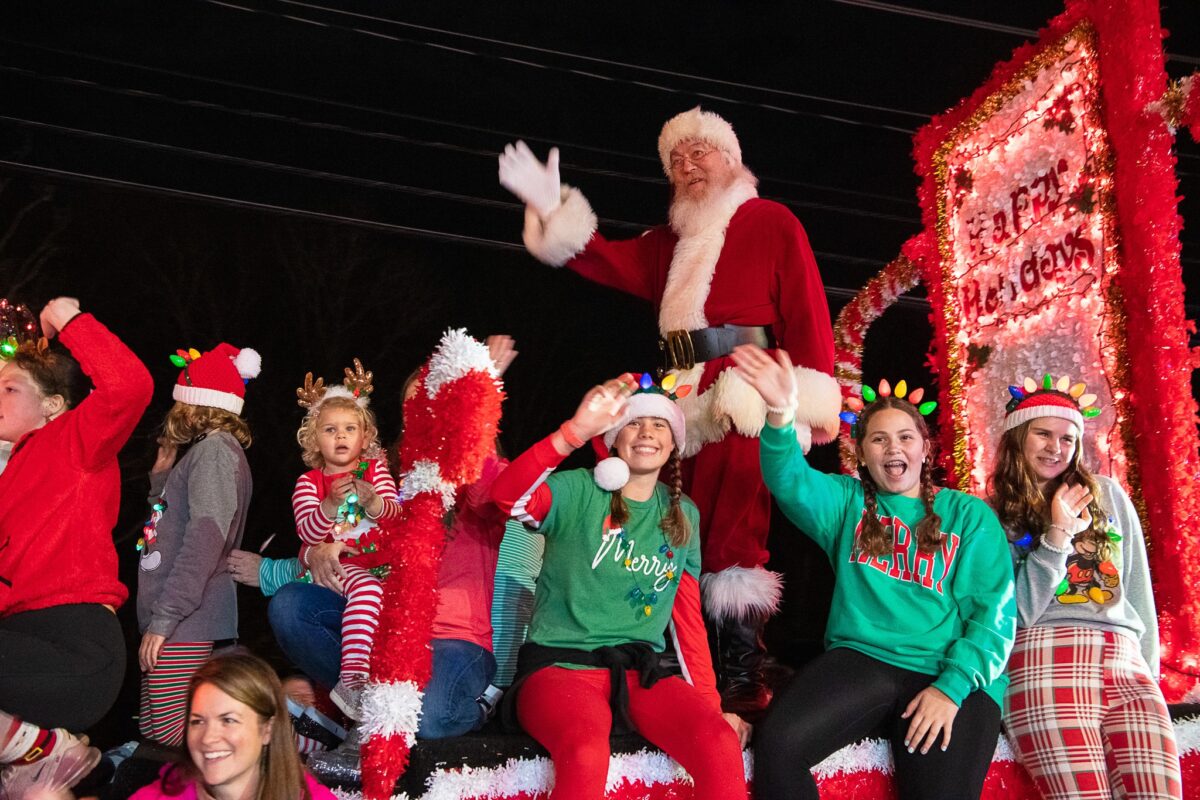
536,184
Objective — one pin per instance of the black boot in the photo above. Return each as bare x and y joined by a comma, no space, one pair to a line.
741,655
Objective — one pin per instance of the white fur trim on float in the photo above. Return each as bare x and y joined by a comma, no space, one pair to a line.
390,709
456,355
694,261
1187,736
248,363
695,125
738,592
199,396
820,402
562,235
611,474
426,476
535,776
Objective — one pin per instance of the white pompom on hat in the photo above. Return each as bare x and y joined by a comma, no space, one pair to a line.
217,378
697,126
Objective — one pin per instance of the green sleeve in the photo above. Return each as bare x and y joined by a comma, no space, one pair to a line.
817,503
691,564
982,588
273,573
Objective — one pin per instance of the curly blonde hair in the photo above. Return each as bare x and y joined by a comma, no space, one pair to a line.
307,435
184,422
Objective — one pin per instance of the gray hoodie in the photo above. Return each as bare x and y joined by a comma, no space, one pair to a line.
1070,588
189,596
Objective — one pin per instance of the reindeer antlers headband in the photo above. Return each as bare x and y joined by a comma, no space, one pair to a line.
357,385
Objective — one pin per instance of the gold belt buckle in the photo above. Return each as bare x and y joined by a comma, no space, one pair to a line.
678,349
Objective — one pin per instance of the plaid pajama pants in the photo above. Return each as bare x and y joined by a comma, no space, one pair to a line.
1087,719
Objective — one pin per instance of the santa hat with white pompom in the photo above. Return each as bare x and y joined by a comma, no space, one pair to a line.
217,378
647,400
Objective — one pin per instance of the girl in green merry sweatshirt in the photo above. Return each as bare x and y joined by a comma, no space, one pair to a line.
922,618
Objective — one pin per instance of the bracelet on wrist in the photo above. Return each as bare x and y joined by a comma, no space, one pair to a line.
570,435
782,411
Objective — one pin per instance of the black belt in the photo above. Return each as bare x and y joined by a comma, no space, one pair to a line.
685,349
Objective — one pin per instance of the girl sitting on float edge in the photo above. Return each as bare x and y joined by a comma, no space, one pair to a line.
922,617
622,559
59,497
339,502
1083,707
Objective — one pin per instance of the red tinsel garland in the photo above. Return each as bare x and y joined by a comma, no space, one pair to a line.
448,436
1163,411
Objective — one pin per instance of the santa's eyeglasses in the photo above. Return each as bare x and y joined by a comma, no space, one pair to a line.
695,155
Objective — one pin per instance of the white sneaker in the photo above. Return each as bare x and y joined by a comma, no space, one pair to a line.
348,700
69,761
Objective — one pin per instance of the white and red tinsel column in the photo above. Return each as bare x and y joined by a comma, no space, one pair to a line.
450,427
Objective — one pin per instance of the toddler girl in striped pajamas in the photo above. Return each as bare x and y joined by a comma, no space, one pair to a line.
338,504
199,493
1083,708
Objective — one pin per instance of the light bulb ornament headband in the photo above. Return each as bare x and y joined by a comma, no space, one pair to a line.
1050,398
855,405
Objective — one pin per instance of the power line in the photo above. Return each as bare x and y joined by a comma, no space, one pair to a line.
605,61
373,183
491,132
585,73
69,176
969,22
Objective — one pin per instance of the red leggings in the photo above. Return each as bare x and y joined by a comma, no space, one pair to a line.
567,711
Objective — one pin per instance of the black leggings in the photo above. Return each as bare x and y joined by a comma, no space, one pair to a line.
843,696
61,667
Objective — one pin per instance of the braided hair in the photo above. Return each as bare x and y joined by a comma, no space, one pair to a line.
873,539
674,524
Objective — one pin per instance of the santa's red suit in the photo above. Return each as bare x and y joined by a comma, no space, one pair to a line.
751,265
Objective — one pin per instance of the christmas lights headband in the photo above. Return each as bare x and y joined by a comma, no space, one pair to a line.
1052,398
855,405
17,327
654,400
357,386
648,400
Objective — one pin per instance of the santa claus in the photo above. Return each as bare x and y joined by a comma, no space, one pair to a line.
729,268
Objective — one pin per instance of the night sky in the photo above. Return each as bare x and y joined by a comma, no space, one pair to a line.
320,183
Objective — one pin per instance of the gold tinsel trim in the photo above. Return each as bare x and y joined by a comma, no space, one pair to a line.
1113,353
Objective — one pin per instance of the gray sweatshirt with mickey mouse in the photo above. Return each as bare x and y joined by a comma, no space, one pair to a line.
1072,588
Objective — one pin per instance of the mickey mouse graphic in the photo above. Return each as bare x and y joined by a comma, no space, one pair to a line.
1091,573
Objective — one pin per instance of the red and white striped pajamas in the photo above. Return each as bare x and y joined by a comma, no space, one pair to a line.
165,688
1086,717
362,589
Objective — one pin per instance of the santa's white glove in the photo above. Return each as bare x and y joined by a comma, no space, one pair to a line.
535,183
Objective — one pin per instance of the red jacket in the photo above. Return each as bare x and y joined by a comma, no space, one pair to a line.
61,489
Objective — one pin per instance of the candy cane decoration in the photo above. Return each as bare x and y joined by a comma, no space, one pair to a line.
450,429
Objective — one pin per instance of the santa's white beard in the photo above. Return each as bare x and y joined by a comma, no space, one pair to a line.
692,215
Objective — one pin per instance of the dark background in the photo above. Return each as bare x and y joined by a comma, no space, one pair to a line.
319,182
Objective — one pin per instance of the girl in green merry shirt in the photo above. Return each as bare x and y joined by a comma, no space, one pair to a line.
922,617
622,560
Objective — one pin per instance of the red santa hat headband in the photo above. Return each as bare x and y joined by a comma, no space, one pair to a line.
217,378
697,126
1052,399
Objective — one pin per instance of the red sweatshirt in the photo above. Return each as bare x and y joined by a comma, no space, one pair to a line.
61,489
